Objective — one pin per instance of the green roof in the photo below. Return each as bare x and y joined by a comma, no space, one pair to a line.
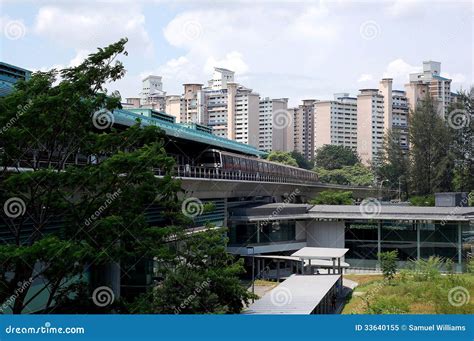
129,118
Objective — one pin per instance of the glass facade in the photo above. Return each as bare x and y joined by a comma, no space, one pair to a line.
411,239
243,233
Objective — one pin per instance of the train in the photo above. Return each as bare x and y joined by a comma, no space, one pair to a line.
231,162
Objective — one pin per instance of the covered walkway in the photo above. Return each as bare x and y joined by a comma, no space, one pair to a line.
300,294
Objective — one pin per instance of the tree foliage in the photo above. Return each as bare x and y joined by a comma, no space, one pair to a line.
301,161
81,189
282,157
388,264
200,280
333,198
357,175
461,121
334,157
432,159
393,163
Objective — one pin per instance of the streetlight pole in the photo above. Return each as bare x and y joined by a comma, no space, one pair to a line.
251,248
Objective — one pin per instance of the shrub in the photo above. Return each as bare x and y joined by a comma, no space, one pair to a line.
422,200
426,269
389,305
388,263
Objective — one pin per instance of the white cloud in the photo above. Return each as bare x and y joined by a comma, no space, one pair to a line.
365,77
232,61
253,41
456,77
403,8
87,27
400,70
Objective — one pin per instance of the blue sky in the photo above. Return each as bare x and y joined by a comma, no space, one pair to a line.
295,49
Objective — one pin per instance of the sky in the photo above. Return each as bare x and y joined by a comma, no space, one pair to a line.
295,49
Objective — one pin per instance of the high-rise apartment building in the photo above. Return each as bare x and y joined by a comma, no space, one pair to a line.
152,94
230,109
400,112
276,130
378,111
303,122
336,122
370,124
429,81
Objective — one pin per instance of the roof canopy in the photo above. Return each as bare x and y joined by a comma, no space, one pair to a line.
296,295
320,253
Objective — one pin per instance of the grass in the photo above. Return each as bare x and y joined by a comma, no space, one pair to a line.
410,293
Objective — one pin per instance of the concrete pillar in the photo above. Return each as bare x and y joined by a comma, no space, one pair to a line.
418,240
460,246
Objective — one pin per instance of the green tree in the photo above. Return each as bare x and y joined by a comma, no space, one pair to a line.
431,156
357,175
333,198
333,157
422,200
282,157
461,121
80,189
392,162
301,161
388,264
202,279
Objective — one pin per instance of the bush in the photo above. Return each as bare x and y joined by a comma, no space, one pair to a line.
333,198
426,269
388,263
389,305
422,200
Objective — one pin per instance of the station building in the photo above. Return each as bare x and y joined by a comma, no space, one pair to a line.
415,232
